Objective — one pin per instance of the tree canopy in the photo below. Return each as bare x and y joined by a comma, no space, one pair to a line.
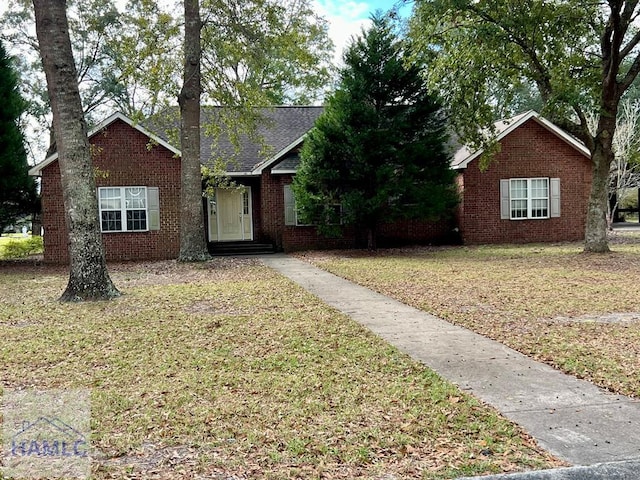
264,52
93,24
581,57
17,189
255,53
378,152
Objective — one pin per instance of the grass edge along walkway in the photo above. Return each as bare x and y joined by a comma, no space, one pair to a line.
572,418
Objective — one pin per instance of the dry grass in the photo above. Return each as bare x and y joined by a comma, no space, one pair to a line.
576,311
227,370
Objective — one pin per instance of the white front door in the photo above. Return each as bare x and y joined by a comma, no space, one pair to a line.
230,215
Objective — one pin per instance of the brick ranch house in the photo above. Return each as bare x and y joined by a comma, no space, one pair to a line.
536,189
138,180
138,177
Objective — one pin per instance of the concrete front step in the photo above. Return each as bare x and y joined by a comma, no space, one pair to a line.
240,248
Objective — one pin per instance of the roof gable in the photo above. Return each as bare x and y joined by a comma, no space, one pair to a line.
465,155
279,130
37,169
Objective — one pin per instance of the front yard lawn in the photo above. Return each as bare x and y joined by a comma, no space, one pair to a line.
227,370
576,311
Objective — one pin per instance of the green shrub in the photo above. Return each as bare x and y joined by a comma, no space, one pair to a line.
22,248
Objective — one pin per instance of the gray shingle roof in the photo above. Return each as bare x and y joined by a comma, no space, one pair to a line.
277,128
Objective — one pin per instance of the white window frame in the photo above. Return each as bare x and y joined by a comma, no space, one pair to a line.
529,198
124,208
291,210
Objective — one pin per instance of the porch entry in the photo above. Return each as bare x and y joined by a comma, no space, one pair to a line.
230,215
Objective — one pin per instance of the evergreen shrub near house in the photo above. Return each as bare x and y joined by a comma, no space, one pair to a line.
378,153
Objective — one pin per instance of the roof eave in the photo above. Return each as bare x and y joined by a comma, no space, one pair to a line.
531,114
267,163
36,170
241,174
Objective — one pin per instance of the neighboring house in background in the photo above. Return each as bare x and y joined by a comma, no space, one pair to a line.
138,179
536,189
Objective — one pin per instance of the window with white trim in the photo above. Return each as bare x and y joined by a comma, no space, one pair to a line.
530,198
245,202
291,211
123,209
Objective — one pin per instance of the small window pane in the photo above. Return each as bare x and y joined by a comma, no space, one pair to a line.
539,188
245,202
136,220
539,208
519,189
135,198
518,209
110,199
111,221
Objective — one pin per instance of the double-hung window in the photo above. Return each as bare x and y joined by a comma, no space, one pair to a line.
291,211
530,198
123,209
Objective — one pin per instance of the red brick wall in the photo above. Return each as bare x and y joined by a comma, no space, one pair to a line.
290,237
122,158
405,232
294,238
272,207
529,151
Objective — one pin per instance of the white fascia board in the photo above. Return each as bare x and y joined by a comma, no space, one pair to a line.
267,163
242,174
36,170
522,119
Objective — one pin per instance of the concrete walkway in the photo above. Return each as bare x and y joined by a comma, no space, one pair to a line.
571,418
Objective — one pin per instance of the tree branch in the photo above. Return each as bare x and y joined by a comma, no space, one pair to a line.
631,75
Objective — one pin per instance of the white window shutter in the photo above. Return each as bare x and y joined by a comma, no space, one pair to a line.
289,206
505,203
153,207
554,197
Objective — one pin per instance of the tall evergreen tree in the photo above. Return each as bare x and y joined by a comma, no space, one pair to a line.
379,149
17,189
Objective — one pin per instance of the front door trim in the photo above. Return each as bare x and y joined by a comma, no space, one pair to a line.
246,219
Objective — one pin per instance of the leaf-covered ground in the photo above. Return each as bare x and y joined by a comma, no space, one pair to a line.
579,312
227,370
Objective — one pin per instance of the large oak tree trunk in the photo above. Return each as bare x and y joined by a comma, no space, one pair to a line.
88,278
595,239
602,156
193,245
